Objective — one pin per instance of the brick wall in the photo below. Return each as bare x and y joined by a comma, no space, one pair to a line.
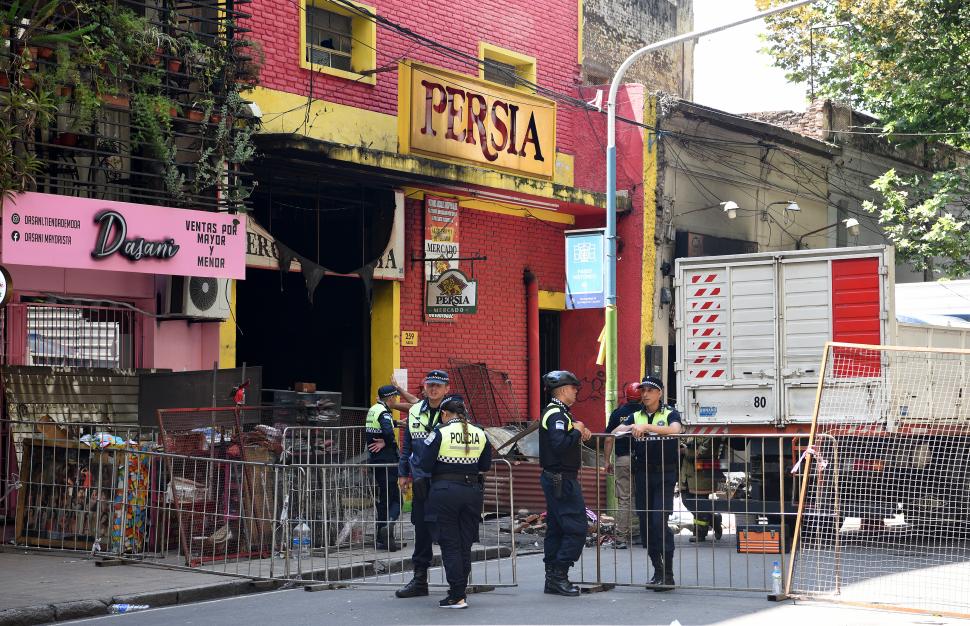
545,29
495,335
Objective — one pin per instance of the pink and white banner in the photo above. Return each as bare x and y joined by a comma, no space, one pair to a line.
61,231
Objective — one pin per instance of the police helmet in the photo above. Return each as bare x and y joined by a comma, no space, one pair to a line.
559,378
632,392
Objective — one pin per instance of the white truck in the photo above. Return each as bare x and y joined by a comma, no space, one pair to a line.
750,331
751,328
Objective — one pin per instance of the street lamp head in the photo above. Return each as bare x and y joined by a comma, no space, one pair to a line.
851,226
731,208
793,206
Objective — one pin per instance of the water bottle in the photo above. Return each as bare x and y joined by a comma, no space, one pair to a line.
301,539
776,578
126,608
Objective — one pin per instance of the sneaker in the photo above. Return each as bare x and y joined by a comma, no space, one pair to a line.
453,603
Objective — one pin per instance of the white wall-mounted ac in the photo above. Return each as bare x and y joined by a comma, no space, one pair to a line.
192,296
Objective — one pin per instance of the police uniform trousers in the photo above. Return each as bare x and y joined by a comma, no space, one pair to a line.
388,501
654,494
565,521
421,559
454,512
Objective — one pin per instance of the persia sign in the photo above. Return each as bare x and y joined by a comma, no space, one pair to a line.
455,116
80,233
452,293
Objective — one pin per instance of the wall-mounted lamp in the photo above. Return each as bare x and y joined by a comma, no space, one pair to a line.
731,208
851,226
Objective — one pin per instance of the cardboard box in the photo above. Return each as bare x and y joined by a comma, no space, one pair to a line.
760,539
305,387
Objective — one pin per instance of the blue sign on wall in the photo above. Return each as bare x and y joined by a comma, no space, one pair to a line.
585,265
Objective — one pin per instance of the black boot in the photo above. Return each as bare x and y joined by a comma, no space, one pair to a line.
700,533
418,585
557,581
389,540
658,570
668,574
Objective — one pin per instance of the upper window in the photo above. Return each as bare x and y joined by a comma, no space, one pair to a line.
506,67
338,40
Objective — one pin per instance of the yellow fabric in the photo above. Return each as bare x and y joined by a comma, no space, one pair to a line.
453,448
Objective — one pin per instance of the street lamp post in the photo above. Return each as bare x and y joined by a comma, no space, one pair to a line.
610,310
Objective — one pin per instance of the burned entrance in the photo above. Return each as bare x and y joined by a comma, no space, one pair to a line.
309,324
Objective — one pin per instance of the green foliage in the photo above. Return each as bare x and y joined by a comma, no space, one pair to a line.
904,61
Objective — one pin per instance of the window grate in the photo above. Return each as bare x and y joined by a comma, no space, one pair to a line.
501,73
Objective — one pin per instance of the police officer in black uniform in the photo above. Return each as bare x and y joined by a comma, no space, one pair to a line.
422,418
655,469
455,455
560,440
382,450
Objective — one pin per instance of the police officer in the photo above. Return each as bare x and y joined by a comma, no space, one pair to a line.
698,459
382,449
422,419
559,454
621,466
655,470
455,456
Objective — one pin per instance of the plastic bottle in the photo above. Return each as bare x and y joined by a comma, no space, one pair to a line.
127,608
301,539
776,578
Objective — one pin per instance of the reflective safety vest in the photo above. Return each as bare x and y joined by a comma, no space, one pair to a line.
659,418
421,424
458,448
373,423
656,449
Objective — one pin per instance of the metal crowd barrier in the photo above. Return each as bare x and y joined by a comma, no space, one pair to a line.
747,505
307,518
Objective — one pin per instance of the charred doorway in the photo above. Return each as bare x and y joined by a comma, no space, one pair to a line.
312,325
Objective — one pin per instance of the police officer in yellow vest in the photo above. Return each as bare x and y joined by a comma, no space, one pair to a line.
560,440
422,419
382,450
655,465
455,455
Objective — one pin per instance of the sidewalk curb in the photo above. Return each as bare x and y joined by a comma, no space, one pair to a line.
76,609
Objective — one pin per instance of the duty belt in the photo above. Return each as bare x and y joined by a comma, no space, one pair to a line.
459,478
561,475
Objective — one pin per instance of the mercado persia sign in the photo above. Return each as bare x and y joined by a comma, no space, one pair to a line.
48,230
455,116
452,293
585,268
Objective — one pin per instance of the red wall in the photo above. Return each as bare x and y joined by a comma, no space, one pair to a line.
545,29
496,335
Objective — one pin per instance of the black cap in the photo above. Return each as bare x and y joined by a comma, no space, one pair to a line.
436,376
651,382
453,404
387,391
559,378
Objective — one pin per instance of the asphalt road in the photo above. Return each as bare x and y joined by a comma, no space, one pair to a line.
525,604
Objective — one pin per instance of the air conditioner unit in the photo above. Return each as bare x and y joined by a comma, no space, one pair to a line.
193,296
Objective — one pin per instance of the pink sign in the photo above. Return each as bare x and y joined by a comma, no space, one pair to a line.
61,231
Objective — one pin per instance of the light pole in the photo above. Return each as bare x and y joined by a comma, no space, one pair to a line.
610,310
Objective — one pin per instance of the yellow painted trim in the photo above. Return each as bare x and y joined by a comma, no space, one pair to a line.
552,300
565,171
580,25
363,51
335,123
385,332
649,262
525,65
490,206
227,333
403,107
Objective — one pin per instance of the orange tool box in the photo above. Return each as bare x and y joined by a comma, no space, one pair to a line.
760,539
